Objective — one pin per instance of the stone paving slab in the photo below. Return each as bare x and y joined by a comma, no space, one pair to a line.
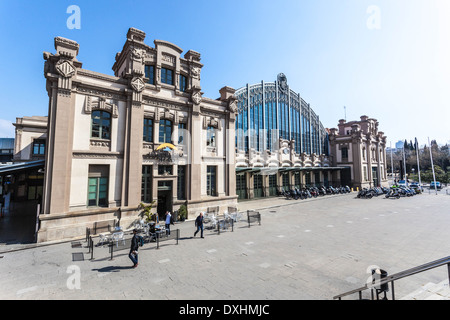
302,250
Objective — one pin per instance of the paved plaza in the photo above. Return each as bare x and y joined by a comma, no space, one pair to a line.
304,249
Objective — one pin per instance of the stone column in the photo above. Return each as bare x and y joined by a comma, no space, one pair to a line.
196,147
59,70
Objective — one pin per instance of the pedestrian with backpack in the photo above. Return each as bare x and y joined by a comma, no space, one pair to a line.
133,255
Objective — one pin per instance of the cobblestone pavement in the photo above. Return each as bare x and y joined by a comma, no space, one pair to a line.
304,249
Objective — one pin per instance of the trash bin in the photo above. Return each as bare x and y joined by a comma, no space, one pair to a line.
377,276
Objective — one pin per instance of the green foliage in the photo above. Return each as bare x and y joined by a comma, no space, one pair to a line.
182,212
146,211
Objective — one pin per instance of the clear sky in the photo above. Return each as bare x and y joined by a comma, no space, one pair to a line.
387,59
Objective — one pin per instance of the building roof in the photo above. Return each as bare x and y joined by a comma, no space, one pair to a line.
17,167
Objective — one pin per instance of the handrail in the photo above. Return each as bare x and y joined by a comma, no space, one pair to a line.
400,275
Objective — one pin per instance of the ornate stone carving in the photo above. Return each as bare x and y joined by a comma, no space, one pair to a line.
137,84
168,58
282,82
99,143
232,106
195,71
65,68
196,97
137,55
100,104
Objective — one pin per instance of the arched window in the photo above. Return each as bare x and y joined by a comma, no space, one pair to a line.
165,131
101,125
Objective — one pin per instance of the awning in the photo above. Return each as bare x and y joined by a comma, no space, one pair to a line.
17,167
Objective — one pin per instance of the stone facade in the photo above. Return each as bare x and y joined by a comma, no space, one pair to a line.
359,146
99,164
30,138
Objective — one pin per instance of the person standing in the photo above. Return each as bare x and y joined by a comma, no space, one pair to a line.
168,219
199,224
133,255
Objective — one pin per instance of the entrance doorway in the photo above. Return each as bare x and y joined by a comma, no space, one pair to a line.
375,176
164,199
346,177
257,186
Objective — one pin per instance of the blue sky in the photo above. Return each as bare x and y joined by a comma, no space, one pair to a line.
387,59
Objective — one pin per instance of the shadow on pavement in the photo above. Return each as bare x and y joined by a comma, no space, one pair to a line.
113,269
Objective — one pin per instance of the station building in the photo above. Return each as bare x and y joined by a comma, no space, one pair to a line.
280,142
146,134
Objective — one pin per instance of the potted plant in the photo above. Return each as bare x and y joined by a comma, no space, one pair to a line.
146,213
182,212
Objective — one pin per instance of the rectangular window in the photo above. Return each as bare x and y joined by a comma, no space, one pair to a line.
285,180
183,83
165,131
211,137
181,183
150,73
167,76
308,179
211,180
344,152
241,188
39,147
34,192
148,130
146,188
98,186
297,179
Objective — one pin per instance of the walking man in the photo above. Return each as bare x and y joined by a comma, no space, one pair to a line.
168,218
133,255
199,224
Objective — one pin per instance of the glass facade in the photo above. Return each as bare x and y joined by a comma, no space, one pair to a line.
270,110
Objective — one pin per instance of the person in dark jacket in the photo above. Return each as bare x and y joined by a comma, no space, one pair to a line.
133,255
199,224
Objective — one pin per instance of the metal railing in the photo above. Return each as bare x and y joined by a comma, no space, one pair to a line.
400,275
253,216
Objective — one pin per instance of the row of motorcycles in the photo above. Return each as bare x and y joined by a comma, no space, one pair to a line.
394,192
366,193
400,191
312,192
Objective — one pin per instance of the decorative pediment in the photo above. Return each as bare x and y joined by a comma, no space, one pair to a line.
99,103
211,122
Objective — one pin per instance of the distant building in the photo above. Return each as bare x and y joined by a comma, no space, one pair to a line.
359,146
6,150
31,135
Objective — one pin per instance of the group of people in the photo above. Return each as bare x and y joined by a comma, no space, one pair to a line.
133,255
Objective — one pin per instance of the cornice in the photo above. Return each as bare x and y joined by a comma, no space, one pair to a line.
85,154
101,76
